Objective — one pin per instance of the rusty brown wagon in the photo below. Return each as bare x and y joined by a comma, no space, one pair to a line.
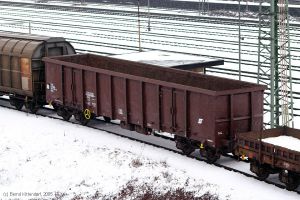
202,111
22,70
268,158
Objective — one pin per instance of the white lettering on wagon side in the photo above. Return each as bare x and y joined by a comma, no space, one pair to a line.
90,99
51,87
200,121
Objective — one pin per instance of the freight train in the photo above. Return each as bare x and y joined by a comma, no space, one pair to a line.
215,115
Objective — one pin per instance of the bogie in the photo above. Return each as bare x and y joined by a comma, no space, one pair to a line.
290,179
17,102
261,171
64,113
185,145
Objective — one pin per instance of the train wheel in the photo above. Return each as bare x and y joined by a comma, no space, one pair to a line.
17,103
290,180
66,115
83,117
261,172
212,155
184,145
188,150
107,119
31,106
292,185
83,121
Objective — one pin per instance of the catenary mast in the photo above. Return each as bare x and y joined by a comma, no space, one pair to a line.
274,62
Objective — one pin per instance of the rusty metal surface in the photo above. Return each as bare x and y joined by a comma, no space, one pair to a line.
21,66
201,107
250,144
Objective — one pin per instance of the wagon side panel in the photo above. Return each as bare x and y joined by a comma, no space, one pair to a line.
67,83
134,95
241,113
119,98
179,113
166,109
90,91
152,106
54,87
224,120
248,111
201,117
77,88
104,91
237,113
257,110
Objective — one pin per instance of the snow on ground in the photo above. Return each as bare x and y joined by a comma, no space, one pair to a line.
284,141
39,154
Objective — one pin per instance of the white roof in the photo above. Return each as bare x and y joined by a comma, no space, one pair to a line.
167,59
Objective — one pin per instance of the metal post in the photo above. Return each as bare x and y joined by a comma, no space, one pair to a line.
265,73
199,7
29,27
149,28
274,65
139,26
207,6
284,65
240,40
290,65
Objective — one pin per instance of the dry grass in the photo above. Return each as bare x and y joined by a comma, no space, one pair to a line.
146,192
136,163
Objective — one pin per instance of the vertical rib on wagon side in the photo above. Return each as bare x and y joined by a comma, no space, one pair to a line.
202,111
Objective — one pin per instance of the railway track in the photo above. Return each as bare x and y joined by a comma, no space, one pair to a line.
113,16
176,36
117,11
114,10
179,35
166,36
155,140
